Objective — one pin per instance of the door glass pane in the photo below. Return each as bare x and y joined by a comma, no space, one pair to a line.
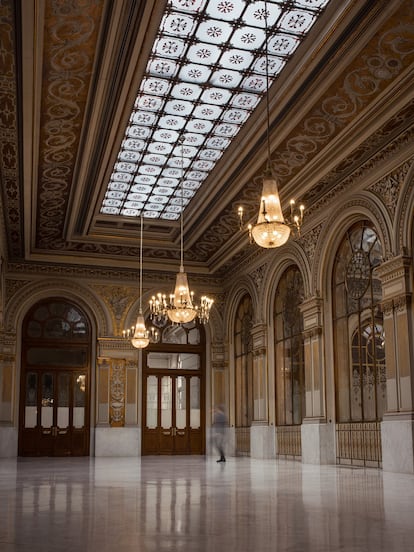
63,400
195,402
30,414
47,400
174,361
166,402
47,356
79,401
152,401
180,403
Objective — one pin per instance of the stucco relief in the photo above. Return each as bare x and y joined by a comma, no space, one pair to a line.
118,300
309,240
13,286
388,188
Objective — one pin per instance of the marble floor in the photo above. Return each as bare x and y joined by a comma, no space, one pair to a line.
193,504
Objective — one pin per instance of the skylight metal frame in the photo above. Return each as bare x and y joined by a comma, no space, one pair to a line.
205,76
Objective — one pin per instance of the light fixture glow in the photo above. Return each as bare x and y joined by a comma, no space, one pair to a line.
181,307
140,337
272,228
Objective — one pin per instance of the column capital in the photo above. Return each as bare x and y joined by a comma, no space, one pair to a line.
396,277
311,309
259,338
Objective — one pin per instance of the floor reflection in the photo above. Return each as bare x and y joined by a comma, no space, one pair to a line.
194,504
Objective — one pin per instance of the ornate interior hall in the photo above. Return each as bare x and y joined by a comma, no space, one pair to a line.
154,271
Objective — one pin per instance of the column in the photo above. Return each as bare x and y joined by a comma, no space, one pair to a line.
397,427
262,434
318,435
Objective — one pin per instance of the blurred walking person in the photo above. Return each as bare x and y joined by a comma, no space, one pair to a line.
220,425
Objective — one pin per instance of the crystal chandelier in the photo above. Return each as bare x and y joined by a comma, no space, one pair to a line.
140,335
272,228
180,307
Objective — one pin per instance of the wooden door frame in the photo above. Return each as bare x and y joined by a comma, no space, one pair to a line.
175,348
25,367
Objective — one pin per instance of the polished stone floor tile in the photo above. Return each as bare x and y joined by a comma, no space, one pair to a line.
193,504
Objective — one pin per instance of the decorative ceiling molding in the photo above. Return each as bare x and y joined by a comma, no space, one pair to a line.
9,130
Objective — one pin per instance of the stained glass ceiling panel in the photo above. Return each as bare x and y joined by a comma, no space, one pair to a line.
204,77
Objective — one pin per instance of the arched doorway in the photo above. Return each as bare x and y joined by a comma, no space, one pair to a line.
173,406
55,381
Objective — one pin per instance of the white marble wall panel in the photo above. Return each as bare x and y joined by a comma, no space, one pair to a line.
118,441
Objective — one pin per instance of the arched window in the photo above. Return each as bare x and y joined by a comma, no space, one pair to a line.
243,360
289,362
358,344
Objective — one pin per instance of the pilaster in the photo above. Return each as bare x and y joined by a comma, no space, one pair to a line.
317,436
118,385
397,428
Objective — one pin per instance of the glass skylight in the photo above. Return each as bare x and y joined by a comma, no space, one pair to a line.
205,76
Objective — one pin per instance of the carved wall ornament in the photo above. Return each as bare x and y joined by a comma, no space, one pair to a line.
117,393
309,240
402,303
13,286
118,299
258,276
387,307
388,188
405,218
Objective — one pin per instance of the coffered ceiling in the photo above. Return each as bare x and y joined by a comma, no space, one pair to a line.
71,71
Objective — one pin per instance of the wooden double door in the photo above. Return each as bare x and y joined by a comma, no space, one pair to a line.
54,390
173,405
54,418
